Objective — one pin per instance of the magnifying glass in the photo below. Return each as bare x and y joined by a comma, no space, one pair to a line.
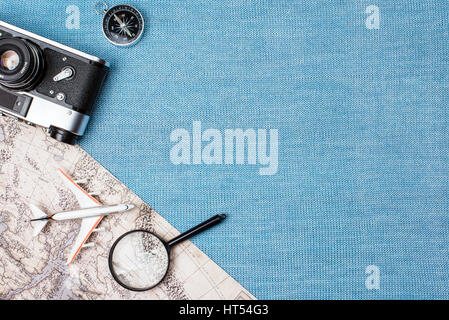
139,259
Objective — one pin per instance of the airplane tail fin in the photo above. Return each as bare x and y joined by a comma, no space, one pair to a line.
38,224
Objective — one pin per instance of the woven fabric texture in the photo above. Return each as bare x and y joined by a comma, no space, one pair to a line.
358,207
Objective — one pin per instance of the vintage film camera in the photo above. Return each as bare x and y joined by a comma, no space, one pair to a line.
46,83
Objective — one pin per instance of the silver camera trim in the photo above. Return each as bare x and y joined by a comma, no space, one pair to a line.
53,43
45,113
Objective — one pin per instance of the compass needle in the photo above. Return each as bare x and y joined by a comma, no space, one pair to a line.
123,25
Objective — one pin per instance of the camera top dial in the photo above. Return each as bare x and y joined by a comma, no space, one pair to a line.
122,25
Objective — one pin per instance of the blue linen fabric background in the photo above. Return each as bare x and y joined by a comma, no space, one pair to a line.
362,116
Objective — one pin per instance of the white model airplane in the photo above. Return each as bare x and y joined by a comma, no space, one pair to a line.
91,211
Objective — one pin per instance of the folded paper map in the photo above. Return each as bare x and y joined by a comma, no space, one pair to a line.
35,268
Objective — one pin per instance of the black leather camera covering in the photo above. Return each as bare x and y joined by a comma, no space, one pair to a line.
81,90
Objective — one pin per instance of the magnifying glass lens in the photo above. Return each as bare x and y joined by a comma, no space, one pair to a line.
139,260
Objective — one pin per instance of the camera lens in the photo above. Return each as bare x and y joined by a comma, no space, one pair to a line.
21,64
9,60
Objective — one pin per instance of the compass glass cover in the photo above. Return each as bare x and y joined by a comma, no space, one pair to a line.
123,25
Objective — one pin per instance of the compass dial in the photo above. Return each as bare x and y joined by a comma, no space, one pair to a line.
123,25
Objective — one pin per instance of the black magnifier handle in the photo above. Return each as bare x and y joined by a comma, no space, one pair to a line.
199,228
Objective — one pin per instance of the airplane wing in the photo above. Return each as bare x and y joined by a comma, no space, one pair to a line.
84,199
87,224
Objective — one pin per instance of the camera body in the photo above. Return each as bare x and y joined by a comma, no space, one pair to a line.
46,83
